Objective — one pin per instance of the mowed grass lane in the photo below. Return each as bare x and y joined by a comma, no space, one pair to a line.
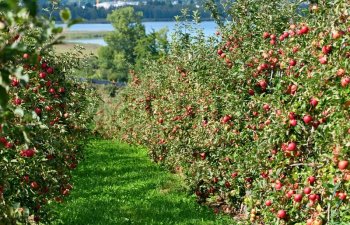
118,184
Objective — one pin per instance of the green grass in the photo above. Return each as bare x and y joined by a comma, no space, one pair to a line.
85,34
118,184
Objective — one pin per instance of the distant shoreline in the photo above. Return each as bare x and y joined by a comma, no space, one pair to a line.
104,21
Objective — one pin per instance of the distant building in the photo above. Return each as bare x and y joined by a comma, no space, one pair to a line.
115,4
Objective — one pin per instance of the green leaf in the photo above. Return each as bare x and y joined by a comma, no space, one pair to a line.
12,4
75,21
65,15
26,137
5,76
31,6
3,96
57,30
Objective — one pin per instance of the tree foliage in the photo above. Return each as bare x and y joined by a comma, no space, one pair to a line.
257,117
43,115
128,44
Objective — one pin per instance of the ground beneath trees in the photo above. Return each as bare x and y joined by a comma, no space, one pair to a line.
118,184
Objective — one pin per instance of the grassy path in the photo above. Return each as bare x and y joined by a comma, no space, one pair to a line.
117,184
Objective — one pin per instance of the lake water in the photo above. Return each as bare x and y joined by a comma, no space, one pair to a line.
209,28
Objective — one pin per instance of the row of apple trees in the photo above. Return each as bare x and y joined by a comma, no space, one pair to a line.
257,116
43,115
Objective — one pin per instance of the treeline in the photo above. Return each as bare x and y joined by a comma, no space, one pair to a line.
87,12
153,11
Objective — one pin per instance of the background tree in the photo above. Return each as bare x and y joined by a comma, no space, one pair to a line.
128,44
117,57
153,46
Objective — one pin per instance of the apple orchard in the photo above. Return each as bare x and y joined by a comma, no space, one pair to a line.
256,118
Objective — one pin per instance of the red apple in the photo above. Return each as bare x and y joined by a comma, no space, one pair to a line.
65,192
312,197
316,123
326,49
298,197
48,108
34,185
292,146
42,75
323,59
304,30
345,81
234,175
313,102
263,84
8,145
17,101
49,70
309,221
307,190
25,178
226,119
290,193
281,214
268,203
278,186
61,90
311,179
293,122
72,166
342,165
266,35
342,196
307,119
52,91
44,65
37,111
291,115
340,72
25,56
14,82
293,89
27,153
292,62
37,219
266,107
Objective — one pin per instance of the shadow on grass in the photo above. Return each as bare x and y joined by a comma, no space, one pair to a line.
117,184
